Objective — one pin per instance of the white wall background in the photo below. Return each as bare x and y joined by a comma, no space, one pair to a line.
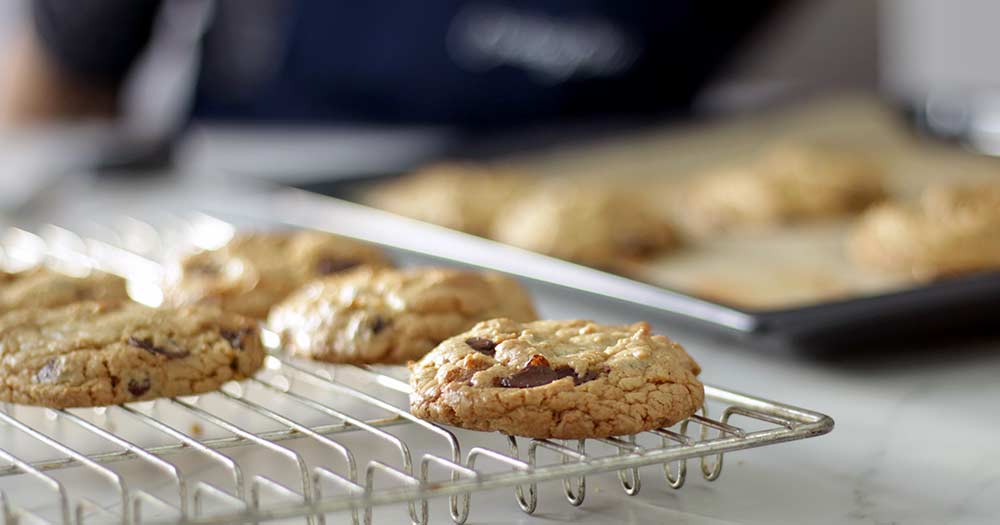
931,45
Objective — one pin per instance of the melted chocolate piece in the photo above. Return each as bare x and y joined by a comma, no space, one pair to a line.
205,269
236,337
330,265
639,246
379,323
482,345
147,345
538,372
528,377
50,372
138,388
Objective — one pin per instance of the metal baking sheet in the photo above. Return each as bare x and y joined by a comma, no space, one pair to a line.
791,285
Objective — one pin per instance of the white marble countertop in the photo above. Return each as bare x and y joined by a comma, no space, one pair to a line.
917,437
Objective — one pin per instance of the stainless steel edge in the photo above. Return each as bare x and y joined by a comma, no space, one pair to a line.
309,210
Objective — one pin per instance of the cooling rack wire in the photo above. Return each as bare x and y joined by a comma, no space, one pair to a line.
339,440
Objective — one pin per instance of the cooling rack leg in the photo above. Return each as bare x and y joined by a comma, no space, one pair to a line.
711,471
110,475
669,438
629,478
319,474
527,505
53,484
577,495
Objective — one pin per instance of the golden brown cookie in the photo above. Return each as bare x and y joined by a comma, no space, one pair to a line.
107,353
953,229
45,288
255,271
391,316
786,185
557,379
461,196
586,222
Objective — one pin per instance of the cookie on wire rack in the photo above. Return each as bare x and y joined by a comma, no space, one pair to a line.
392,316
557,379
107,353
254,271
43,287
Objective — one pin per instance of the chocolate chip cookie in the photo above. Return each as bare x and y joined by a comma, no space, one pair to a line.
391,316
953,229
461,196
556,379
586,222
42,287
107,353
787,184
255,271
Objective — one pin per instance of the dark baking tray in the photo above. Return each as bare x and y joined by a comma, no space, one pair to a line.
970,303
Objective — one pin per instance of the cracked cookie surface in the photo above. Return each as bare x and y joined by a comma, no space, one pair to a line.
46,288
556,379
108,353
953,229
254,271
391,316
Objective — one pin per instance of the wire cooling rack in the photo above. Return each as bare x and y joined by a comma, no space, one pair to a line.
339,439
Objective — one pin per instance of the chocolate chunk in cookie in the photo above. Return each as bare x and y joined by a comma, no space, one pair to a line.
238,338
328,265
170,350
482,345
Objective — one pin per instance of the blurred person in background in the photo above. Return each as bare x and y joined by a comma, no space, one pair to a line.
477,65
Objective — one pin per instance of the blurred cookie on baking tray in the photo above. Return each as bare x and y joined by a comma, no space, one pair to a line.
42,287
787,184
254,271
585,221
391,316
111,352
952,229
557,379
461,196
